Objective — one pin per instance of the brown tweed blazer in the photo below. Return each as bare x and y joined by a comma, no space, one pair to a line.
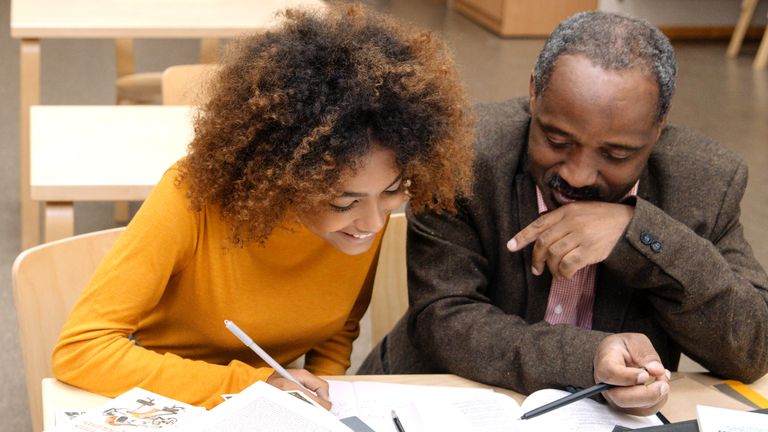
682,274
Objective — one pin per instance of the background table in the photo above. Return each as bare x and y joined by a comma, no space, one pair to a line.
101,153
32,20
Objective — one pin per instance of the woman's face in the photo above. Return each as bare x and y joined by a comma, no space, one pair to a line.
350,221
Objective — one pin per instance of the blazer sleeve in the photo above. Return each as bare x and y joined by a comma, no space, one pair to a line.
461,326
95,350
706,287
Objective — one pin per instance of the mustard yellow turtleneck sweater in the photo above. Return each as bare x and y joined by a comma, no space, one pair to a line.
153,314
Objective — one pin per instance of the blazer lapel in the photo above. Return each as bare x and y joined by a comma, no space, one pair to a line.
537,286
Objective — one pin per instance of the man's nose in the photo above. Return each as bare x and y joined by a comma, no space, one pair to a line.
578,171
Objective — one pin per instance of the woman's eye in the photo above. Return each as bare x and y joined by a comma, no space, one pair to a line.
342,209
396,190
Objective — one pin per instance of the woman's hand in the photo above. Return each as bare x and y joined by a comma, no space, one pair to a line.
317,385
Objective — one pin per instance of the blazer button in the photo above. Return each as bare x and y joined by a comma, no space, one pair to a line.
645,238
656,246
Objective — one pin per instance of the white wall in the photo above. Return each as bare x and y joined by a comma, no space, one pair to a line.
685,13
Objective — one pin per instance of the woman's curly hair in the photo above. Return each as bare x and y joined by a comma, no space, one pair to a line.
293,110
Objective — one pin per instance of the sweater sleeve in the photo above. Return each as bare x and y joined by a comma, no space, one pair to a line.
332,356
96,351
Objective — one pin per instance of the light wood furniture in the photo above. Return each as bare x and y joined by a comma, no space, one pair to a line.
521,17
47,281
389,300
33,20
186,84
686,391
145,88
101,153
747,12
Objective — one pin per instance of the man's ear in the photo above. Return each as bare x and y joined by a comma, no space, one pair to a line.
531,94
531,90
660,125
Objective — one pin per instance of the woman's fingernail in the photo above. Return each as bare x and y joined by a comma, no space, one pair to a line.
652,365
663,389
668,374
535,271
512,245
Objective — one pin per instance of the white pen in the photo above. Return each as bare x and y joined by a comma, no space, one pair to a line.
261,353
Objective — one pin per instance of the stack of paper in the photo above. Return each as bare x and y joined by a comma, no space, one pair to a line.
711,419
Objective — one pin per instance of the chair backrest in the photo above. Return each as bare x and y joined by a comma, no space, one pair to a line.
389,300
145,88
47,280
185,84
125,60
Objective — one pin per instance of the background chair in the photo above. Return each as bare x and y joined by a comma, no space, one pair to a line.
186,84
47,280
146,88
739,32
389,300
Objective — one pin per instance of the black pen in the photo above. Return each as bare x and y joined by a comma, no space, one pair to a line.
398,425
579,395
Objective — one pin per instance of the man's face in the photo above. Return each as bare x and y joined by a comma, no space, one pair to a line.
592,132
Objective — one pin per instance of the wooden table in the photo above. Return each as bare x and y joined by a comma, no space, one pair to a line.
681,405
101,153
32,20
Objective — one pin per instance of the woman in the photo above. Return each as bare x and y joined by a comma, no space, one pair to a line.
312,135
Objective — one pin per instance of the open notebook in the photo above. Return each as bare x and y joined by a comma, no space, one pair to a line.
445,409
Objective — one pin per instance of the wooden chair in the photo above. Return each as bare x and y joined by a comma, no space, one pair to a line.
747,11
186,84
47,280
390,287
145,88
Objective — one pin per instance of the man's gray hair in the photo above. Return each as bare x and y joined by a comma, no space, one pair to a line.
614,43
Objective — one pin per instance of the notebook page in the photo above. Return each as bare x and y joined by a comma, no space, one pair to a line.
263,407
374,401
711,419
482,412
584,415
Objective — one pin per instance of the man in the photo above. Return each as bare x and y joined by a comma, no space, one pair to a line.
599,242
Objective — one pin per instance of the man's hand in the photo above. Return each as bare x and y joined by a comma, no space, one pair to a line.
317,385
628,360
573,236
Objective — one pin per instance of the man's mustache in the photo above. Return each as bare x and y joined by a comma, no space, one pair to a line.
584,193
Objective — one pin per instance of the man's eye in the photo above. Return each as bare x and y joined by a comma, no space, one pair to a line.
556,144
616,157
